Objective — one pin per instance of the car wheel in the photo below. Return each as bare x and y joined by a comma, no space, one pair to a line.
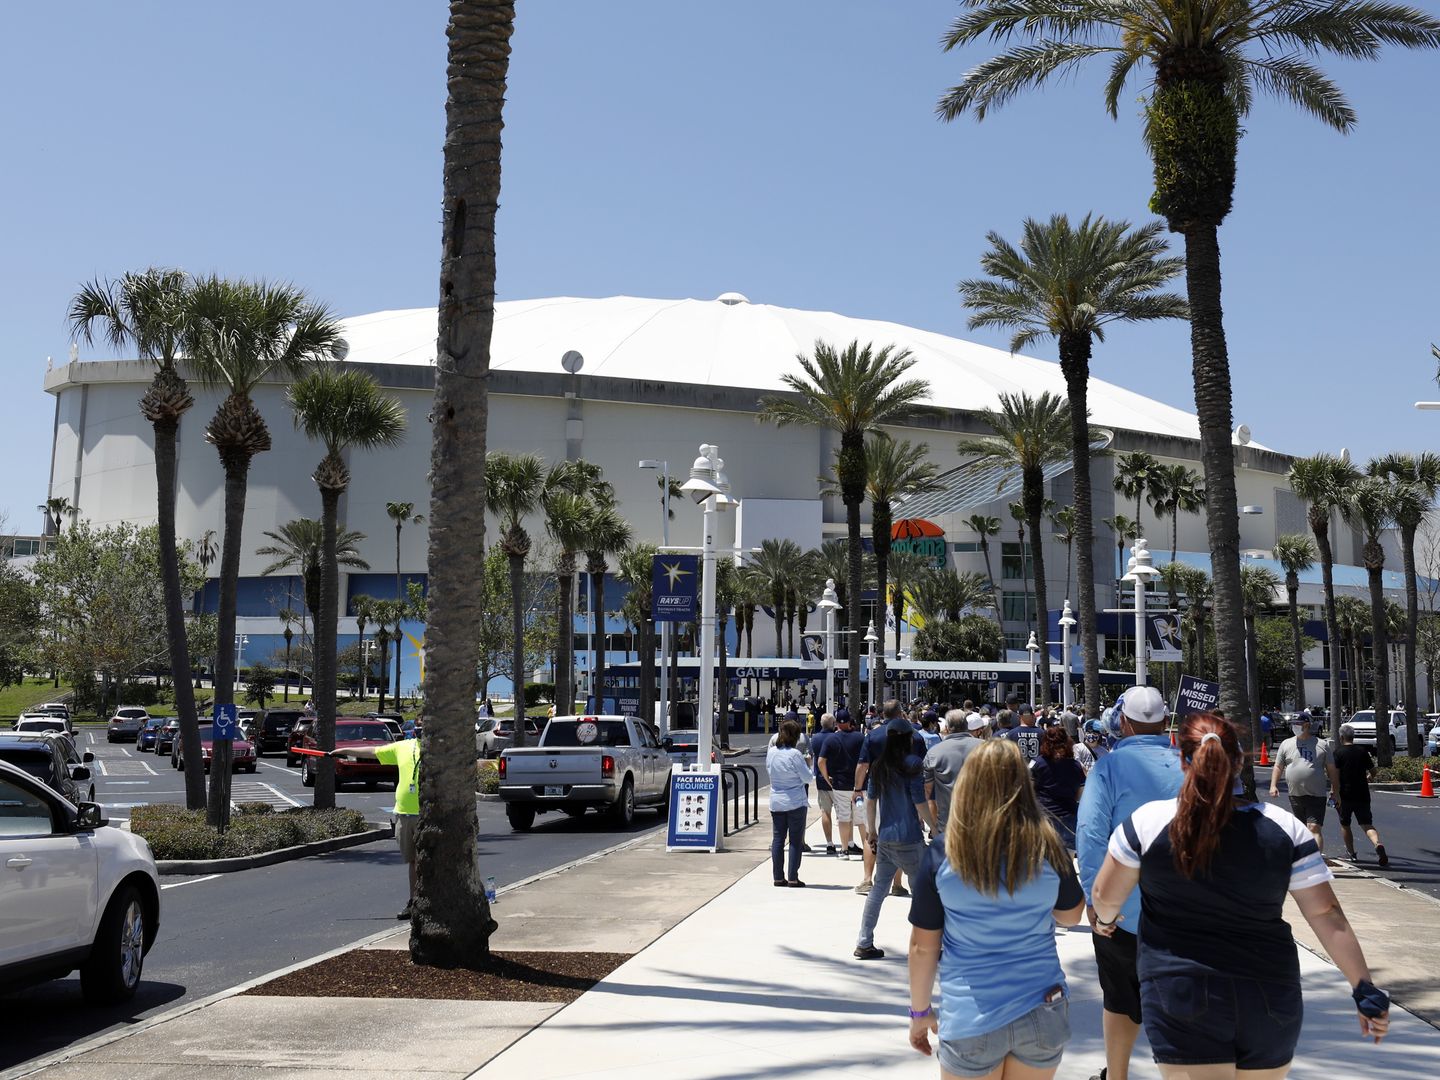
251,768
520,817
623,812
307,774
112,972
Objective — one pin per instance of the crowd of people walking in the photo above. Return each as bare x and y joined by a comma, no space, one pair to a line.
1007,829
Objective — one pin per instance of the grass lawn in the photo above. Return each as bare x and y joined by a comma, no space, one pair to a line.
16,699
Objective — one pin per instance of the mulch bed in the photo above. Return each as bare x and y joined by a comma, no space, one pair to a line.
388,973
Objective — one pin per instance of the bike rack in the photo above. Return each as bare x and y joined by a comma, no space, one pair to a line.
742,782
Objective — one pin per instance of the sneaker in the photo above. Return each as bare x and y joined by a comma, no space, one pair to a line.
796,884
863,888
899,890
807,849
830,849
1380,851
854,849
780,884
869,952
1098,1076
1350,854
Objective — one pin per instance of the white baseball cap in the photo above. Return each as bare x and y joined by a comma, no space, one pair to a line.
1143,704
975,721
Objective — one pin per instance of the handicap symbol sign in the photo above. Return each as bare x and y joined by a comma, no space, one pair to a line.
227,722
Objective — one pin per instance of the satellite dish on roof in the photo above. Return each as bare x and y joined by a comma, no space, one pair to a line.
733,298
1242,435
572,361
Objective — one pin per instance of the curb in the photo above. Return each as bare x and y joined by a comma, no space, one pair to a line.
172,867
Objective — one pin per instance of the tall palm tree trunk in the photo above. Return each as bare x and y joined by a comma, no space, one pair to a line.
1034,502
517,639
854,559
1413,741
384,639
1374,566
236,467
165,431
326,621
994,591
1075,365
565,616
898,604
597,641
1334,647
647,645
1252,665
880,518
399,599
722,695
1292,592
1211,374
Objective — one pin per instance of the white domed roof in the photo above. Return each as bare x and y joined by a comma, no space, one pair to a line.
731,342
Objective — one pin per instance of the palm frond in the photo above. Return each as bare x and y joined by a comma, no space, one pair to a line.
1298,80
1351,28
996,81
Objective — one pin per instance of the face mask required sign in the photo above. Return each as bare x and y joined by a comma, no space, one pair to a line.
694,823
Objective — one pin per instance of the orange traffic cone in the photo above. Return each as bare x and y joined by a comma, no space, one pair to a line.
1264,753
1427,789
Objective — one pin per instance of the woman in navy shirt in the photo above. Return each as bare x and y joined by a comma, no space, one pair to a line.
1003,992
1219,974
1059,779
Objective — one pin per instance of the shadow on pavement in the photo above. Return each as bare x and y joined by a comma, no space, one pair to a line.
50,1017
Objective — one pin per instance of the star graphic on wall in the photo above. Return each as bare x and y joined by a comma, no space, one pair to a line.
674,573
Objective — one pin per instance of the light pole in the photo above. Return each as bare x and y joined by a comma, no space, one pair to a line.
1067,621
829,603
1140,570
871,639
708,486
664,467
240,642
1032,647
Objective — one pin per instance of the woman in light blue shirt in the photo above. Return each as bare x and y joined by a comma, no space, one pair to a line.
789,799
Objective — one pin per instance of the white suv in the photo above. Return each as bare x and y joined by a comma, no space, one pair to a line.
1363,724
74,893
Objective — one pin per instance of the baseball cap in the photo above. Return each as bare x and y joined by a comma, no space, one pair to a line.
1025,709
1142,704
899,723
842,715
975,721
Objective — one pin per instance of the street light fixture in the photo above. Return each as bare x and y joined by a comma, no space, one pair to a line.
708,486
664,468
1032,647
1140,571
871,640
829,603
1067,621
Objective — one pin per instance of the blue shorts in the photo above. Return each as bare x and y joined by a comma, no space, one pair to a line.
1208,1019
1036,1039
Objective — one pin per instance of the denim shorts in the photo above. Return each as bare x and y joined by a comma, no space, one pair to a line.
1207,1019
1036,1039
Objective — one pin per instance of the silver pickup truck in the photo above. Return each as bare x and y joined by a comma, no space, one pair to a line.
611,763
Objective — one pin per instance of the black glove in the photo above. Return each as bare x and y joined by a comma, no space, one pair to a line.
1370,1000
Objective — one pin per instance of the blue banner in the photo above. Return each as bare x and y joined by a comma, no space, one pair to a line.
1195,696
674,586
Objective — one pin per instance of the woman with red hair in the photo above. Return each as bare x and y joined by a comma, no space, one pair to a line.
1219,973
1059,780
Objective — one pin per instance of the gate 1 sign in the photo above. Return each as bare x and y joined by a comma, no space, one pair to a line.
1195,696
673,588
694,809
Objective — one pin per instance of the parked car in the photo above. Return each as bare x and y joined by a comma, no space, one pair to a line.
167,737
485,736
249,722
683,745
303,727
1432,740
74,892
37,722
242,751
275,730
397,731
612,763
1282,726
351,733
60,709
1363,724
145,741
52,757
125,725
504,734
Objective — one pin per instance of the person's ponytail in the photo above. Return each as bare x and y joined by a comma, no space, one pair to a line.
1212,753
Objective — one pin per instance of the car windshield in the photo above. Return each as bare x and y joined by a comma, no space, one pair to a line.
362,733
154,725
599,732
35,762
42,725
281,720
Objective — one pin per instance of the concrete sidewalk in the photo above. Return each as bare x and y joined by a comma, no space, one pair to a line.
760,983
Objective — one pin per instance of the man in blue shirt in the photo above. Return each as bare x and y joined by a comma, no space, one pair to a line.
823,794
1027,735
1142,767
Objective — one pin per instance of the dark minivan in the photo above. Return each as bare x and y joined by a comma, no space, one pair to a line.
274,730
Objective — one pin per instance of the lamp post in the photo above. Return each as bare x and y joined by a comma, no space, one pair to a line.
664,467
829,603
1067,621
1140,569
240,642
871,640
708,486
1032,647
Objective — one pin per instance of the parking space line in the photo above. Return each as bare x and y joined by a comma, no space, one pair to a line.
279,794
92,737
124,751
103,770
282,768
192,881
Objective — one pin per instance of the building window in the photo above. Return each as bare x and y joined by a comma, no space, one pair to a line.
1010,568
965,546
1017,607
1016,641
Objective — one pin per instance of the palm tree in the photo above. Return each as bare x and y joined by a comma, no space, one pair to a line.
1297,553
636,570
1368,504
343,410
1126,530
853,391
1416,478
57,508
451,924
288,617
1208,60
897,471
1198,596
1177,491
402,513
907,570
296,546
388,613
515,489
1136,477
606,534
1353,618
148,311
206,550
1069,284
1321,480
726,579
1017,515
1258,587
362,607
566,515
1031,434
770,570
1063,522
985,527
239,334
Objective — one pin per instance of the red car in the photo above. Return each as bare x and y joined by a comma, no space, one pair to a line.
242,751
350,733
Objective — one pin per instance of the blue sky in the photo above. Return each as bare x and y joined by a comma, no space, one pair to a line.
788,151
